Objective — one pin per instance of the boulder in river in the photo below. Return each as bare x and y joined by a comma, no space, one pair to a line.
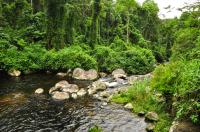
39,91
61,74
81,74
152,117
104,94
60,95
14,73
119,73
91,74
128,106
62,84
53,89
82,92
99,85
113,84
70,88
74,95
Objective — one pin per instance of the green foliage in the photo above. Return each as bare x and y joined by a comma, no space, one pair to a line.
143,99
180,80
118,45
27,60
134,60
185,42
55,24
16,12
107,59
35,58
95,129
137,60
69,58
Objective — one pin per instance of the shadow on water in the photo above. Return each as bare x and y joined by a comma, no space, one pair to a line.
21,110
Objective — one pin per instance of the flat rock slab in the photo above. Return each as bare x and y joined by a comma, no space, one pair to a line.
113,118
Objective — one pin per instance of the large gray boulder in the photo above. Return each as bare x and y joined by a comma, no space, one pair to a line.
70,88
119,73
81,74
60,95
14,73
96,86
99,85
91,74
62,84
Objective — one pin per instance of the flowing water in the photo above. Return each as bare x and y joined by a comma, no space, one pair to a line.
23,111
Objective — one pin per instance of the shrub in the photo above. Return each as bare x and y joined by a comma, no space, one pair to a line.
137,61
180,80
26,60
69,58
134,61
107,58
119,45
35,57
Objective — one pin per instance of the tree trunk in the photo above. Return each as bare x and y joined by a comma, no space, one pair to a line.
1,1
55,23
127,28
94,26
37,5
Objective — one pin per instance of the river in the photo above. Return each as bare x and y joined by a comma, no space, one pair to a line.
23,111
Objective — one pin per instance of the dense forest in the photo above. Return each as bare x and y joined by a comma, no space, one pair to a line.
57,35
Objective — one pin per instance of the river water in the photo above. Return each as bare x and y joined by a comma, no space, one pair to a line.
23,111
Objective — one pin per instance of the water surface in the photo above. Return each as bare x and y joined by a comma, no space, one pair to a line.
22,110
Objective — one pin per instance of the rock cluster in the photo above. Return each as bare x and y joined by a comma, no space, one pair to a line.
102,89
63,90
